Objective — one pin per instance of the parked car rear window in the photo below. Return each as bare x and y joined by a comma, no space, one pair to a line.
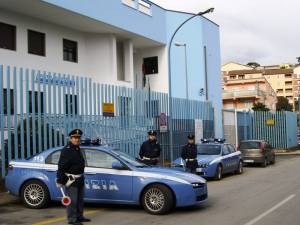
209,149
250,145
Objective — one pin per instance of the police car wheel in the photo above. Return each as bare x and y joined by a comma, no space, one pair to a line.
157,199
219,171
35,194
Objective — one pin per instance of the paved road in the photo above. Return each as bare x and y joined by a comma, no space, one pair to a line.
261,196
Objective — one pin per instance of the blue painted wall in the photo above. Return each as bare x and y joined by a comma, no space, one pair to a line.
196,34
117,14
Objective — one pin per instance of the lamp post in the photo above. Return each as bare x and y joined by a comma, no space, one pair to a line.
210,10
186,70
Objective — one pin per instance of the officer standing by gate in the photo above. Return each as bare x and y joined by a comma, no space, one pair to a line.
150,150
70,174
189,154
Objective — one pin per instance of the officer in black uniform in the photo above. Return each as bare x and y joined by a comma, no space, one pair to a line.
189,154
70,175
150,150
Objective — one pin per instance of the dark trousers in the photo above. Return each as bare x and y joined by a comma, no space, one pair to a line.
190,170
75,209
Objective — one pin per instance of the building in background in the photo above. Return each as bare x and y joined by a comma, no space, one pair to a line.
281,78
118,42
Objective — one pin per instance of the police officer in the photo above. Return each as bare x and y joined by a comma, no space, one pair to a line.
189,154
150,150
70,175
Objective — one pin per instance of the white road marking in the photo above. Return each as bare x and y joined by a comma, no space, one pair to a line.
270,210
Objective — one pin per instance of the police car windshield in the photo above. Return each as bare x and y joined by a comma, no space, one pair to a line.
129,159
208,149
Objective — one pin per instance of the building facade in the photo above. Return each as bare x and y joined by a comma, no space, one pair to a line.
281,78
117,42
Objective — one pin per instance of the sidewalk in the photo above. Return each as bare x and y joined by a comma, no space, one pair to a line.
279,152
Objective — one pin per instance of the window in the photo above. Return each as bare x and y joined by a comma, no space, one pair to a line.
232,77
250,145
36,43
99,159
69,104
241,76
70,50
53,158
231,149
225,150
120,61
288,75
130,3
288,83
11,100
36,104
7,36
150,65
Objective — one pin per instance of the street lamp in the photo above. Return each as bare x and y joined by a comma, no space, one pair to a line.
210,10
186,69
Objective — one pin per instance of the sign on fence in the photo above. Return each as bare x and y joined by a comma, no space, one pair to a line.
163,122
108,109
270,122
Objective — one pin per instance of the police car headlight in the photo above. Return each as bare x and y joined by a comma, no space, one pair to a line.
197,185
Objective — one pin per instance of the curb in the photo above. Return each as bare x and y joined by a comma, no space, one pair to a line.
288,153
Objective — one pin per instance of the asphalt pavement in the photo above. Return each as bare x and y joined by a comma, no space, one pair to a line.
260,196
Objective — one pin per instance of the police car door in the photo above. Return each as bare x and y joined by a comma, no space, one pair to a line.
226,159
234,158
102,182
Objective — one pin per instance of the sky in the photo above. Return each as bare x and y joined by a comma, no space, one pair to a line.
263,31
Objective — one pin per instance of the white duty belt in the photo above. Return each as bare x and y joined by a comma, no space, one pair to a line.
146,158
190,160
72,178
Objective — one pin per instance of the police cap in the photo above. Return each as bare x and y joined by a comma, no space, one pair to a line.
152,132
75,133
191,136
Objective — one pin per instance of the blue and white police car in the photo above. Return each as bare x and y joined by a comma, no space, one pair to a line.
111,176
215,158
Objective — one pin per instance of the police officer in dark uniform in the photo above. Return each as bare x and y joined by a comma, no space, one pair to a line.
189,154
70,175
150,150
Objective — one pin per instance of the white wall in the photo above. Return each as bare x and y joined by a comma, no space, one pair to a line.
96,52
159,81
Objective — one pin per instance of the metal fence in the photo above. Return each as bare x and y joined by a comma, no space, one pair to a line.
38,109
278,128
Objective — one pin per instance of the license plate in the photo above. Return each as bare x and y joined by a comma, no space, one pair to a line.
249,161
199,170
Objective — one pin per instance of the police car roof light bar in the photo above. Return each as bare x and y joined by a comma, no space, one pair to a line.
220,140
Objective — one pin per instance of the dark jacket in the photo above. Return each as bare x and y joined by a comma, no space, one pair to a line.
150,149
71,161
189,151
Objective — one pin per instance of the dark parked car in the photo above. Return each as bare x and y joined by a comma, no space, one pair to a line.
257,151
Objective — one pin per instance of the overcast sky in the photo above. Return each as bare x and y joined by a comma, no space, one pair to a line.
264,31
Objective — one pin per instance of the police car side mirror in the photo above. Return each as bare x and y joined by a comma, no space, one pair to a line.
117,165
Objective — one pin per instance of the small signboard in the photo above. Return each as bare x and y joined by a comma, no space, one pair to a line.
270,122
163,122
108,109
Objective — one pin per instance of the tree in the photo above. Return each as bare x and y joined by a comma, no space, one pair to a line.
283,104
253,64
260,107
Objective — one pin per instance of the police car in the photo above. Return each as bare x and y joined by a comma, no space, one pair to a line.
215,158
111,176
